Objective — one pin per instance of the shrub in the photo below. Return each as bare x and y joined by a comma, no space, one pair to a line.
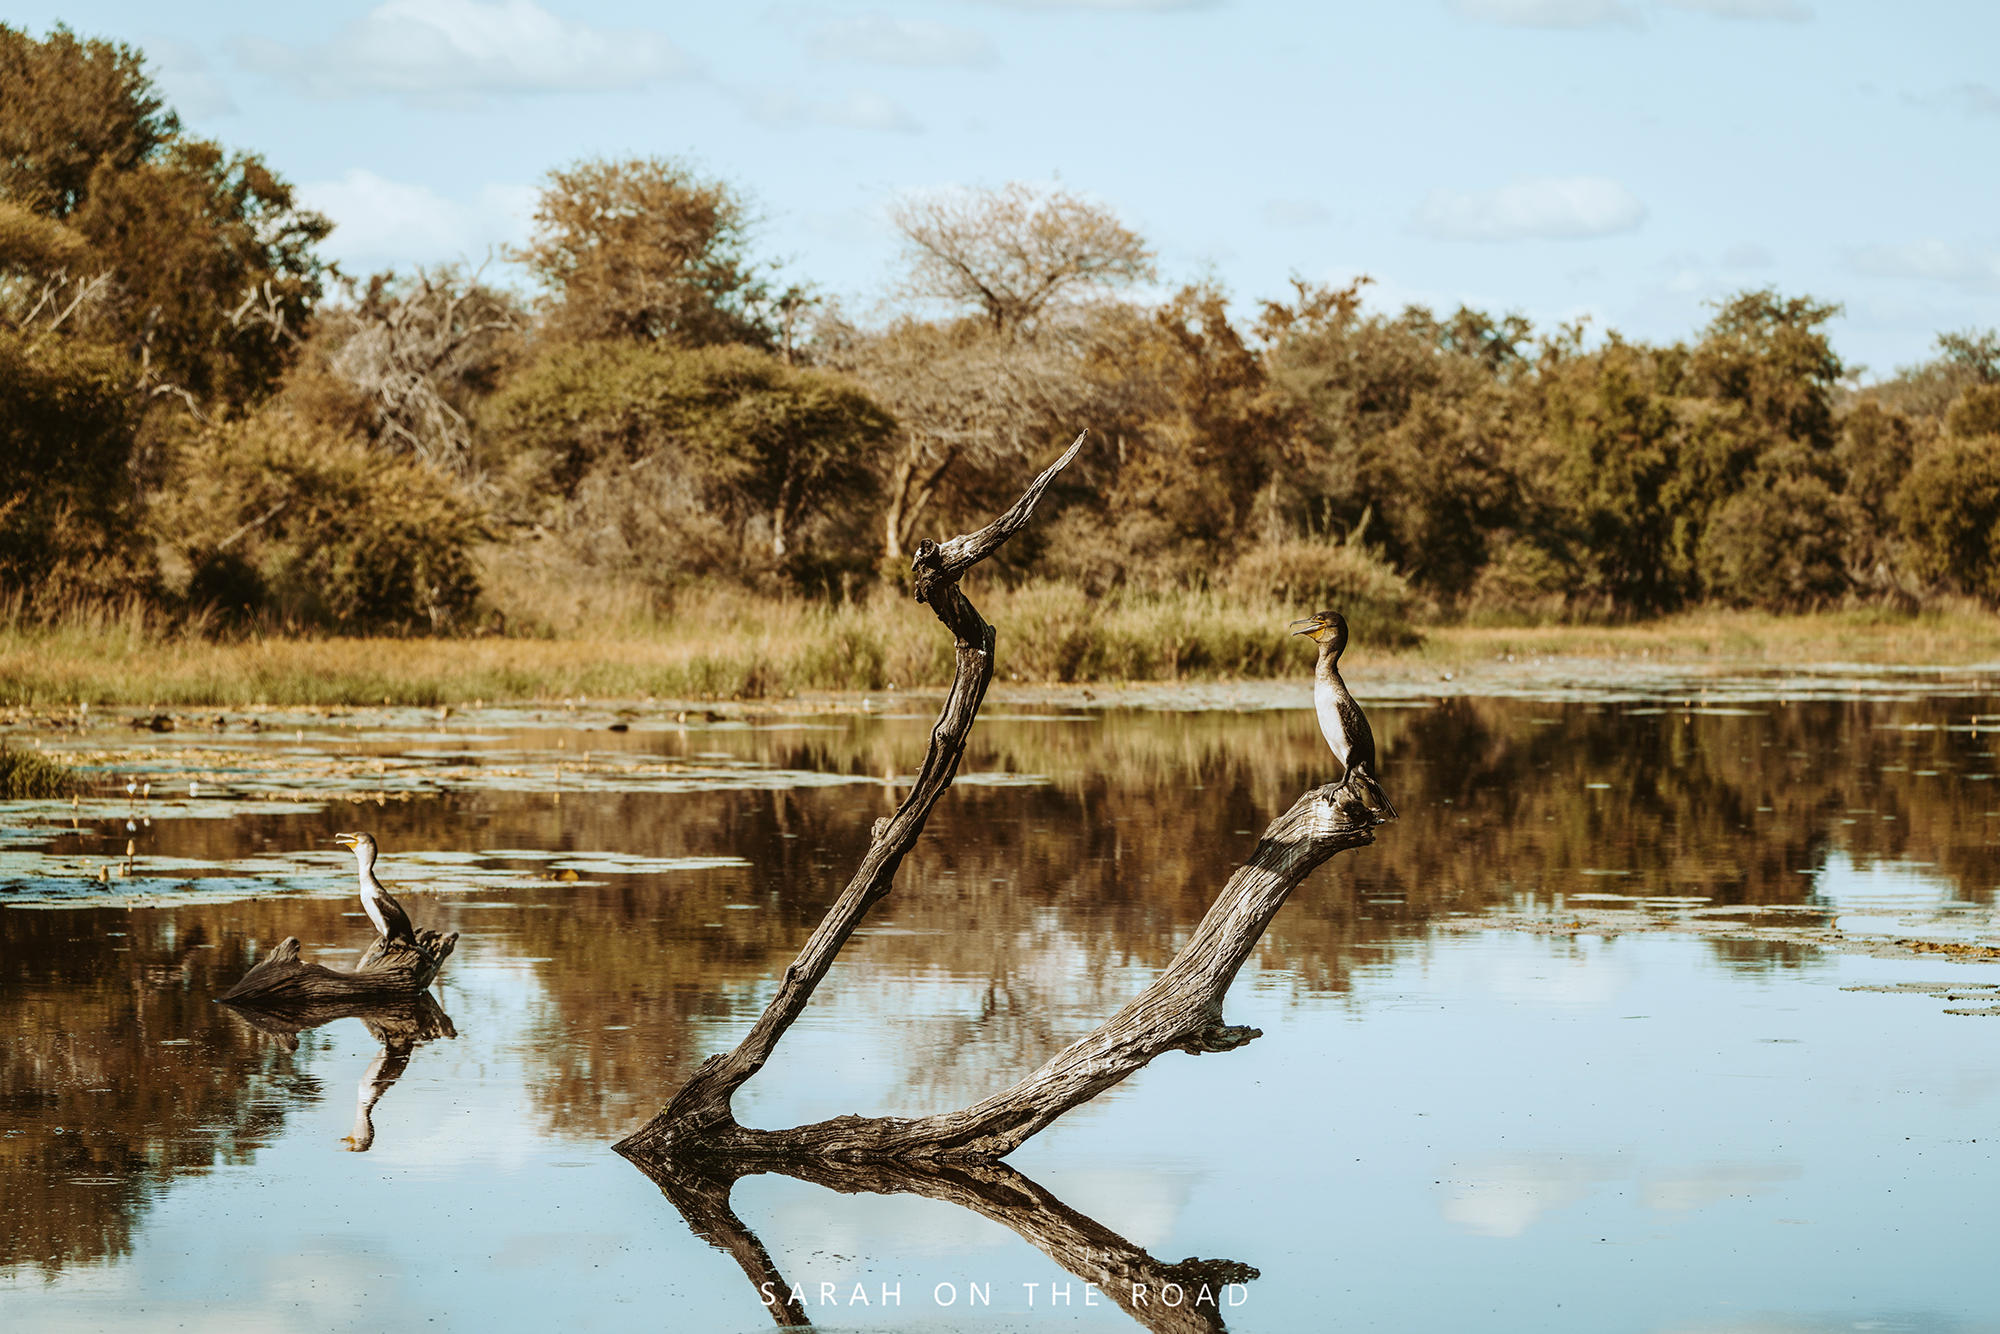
1346,577
288,520
1948,510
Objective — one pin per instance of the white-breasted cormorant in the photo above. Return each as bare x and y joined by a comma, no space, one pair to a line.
391,922
1341,720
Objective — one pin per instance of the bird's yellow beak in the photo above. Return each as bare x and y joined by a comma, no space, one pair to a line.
346,840
1310,624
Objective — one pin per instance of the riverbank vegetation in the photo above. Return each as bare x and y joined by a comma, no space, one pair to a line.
666,469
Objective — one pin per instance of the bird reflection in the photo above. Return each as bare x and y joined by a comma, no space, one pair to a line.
1122,1271
401,1026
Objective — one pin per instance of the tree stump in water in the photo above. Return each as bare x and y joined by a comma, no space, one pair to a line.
388,971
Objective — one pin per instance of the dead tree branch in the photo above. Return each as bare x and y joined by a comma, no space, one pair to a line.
389,970
1180,1011
699,1116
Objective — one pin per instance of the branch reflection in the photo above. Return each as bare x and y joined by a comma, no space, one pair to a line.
399,1025
1122,1271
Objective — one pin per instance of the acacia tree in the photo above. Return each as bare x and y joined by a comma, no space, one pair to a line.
645,249
1009,377
662,457
1014,252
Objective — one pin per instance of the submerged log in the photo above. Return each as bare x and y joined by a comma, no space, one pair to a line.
390,969
1180,1011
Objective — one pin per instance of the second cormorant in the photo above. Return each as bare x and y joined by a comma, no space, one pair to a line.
1341,720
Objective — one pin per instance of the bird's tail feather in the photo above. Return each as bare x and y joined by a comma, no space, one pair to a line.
1362,779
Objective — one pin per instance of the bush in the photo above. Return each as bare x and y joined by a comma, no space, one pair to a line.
1948,510
286,520
1346,577
67,524
1780,543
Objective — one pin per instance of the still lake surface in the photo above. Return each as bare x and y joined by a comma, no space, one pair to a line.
1582,1043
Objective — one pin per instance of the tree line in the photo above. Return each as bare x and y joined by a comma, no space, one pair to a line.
200,411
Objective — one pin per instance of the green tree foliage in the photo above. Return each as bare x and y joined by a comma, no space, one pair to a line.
645,249
1949,507
283,520
1406,419
69,108
68,510
677,462
213,267
196,261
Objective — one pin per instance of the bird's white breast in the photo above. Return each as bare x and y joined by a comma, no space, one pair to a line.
1326,701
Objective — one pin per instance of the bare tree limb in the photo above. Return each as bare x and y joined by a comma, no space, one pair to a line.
700,1112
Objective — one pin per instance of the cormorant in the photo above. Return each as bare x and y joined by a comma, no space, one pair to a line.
1340,718
391,922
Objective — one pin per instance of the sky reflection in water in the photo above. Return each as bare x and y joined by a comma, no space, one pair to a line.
1441,1129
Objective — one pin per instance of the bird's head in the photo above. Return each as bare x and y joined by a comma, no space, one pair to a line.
1324,627
362,844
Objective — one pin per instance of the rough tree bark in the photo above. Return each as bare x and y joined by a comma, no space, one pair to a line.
283,981
1181,1009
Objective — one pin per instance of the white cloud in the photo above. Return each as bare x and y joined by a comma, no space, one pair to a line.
1929,261
886,41
1548,13
1530,208
1504,1197
455,52
1747,255
384,223
1296,213
183,74
1974,99
860,109
1781,11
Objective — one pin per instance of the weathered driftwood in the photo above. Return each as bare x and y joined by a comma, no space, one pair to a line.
1181,1010
1186,1298
389,969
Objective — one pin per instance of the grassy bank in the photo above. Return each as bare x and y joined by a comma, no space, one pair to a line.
728,647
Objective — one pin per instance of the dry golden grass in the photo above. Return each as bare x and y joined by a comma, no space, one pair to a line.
727,646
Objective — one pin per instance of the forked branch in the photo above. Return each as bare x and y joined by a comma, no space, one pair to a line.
1180,1011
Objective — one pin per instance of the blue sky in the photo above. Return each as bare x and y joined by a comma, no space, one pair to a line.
1624,160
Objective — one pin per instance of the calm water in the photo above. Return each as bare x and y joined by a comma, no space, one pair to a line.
1466,1113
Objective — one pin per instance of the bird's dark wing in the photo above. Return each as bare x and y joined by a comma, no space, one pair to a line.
1360,736
396,919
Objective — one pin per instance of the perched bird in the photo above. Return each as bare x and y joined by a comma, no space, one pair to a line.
391,922
1340,718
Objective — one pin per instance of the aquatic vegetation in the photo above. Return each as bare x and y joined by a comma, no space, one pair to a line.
24,775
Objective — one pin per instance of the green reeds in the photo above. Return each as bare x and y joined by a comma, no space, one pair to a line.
25,776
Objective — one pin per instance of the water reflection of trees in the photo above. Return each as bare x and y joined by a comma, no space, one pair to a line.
117,1075
1036,909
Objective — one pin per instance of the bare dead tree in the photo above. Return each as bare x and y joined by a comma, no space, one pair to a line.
1180,1011
412,349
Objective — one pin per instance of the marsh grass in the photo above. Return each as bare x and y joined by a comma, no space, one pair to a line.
724,645
26,776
